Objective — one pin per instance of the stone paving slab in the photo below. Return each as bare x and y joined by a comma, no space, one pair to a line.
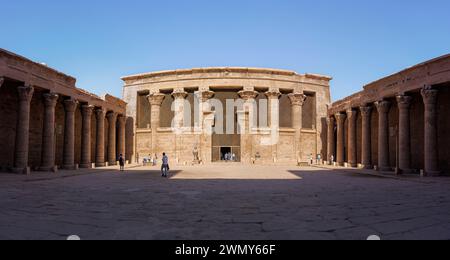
223,202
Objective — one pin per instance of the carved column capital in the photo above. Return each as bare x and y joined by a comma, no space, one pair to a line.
297,99
273,94
206,95
50,99
340,118
383,106
100,113
112,116
403,101
70,105
429,95
156,99
330,120
366,111
351,114
248,94
25,93
179,94
86,110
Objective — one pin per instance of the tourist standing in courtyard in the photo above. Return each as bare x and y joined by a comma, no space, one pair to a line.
121,162
165,165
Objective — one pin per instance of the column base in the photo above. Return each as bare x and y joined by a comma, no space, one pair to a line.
353,165
25,171
49,169
69,167
405,171
86,165
341,164
112,164
366,167
100,164
384,169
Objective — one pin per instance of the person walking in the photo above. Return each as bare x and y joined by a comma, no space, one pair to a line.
165,166
121,162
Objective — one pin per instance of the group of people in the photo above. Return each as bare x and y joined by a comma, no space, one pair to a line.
153,161
229,157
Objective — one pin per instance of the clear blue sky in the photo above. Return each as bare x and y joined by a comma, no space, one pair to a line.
99,41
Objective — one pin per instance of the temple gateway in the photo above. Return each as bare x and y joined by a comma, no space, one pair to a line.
255,116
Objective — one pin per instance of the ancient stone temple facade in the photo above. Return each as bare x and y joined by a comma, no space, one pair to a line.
277,116
47,123
400,122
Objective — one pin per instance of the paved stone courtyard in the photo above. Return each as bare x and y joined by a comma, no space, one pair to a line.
223,202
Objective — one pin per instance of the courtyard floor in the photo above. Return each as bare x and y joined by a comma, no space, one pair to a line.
223,201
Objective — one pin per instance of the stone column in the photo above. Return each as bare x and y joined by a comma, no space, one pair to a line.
274,108
383,108
23,129
331,145
404,136
100,142
112,155
48,140
70,106
206,120
86,113
366,151
247,123
179,97
352,149
430,97
297,101
340,118
155,100
273,96
121,134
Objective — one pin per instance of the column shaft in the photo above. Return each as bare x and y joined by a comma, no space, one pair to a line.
112,153
297,101
366,151
206,119
340,118
331,145
70,106
404,137
430,96
100,142
246,121
25,94
273,96
48,140
121,135
86,112
155,100
383,108
352,149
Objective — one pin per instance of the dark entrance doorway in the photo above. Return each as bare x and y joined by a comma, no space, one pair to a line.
225,153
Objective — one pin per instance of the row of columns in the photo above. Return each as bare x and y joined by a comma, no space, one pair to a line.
404,101
25,94
249,96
